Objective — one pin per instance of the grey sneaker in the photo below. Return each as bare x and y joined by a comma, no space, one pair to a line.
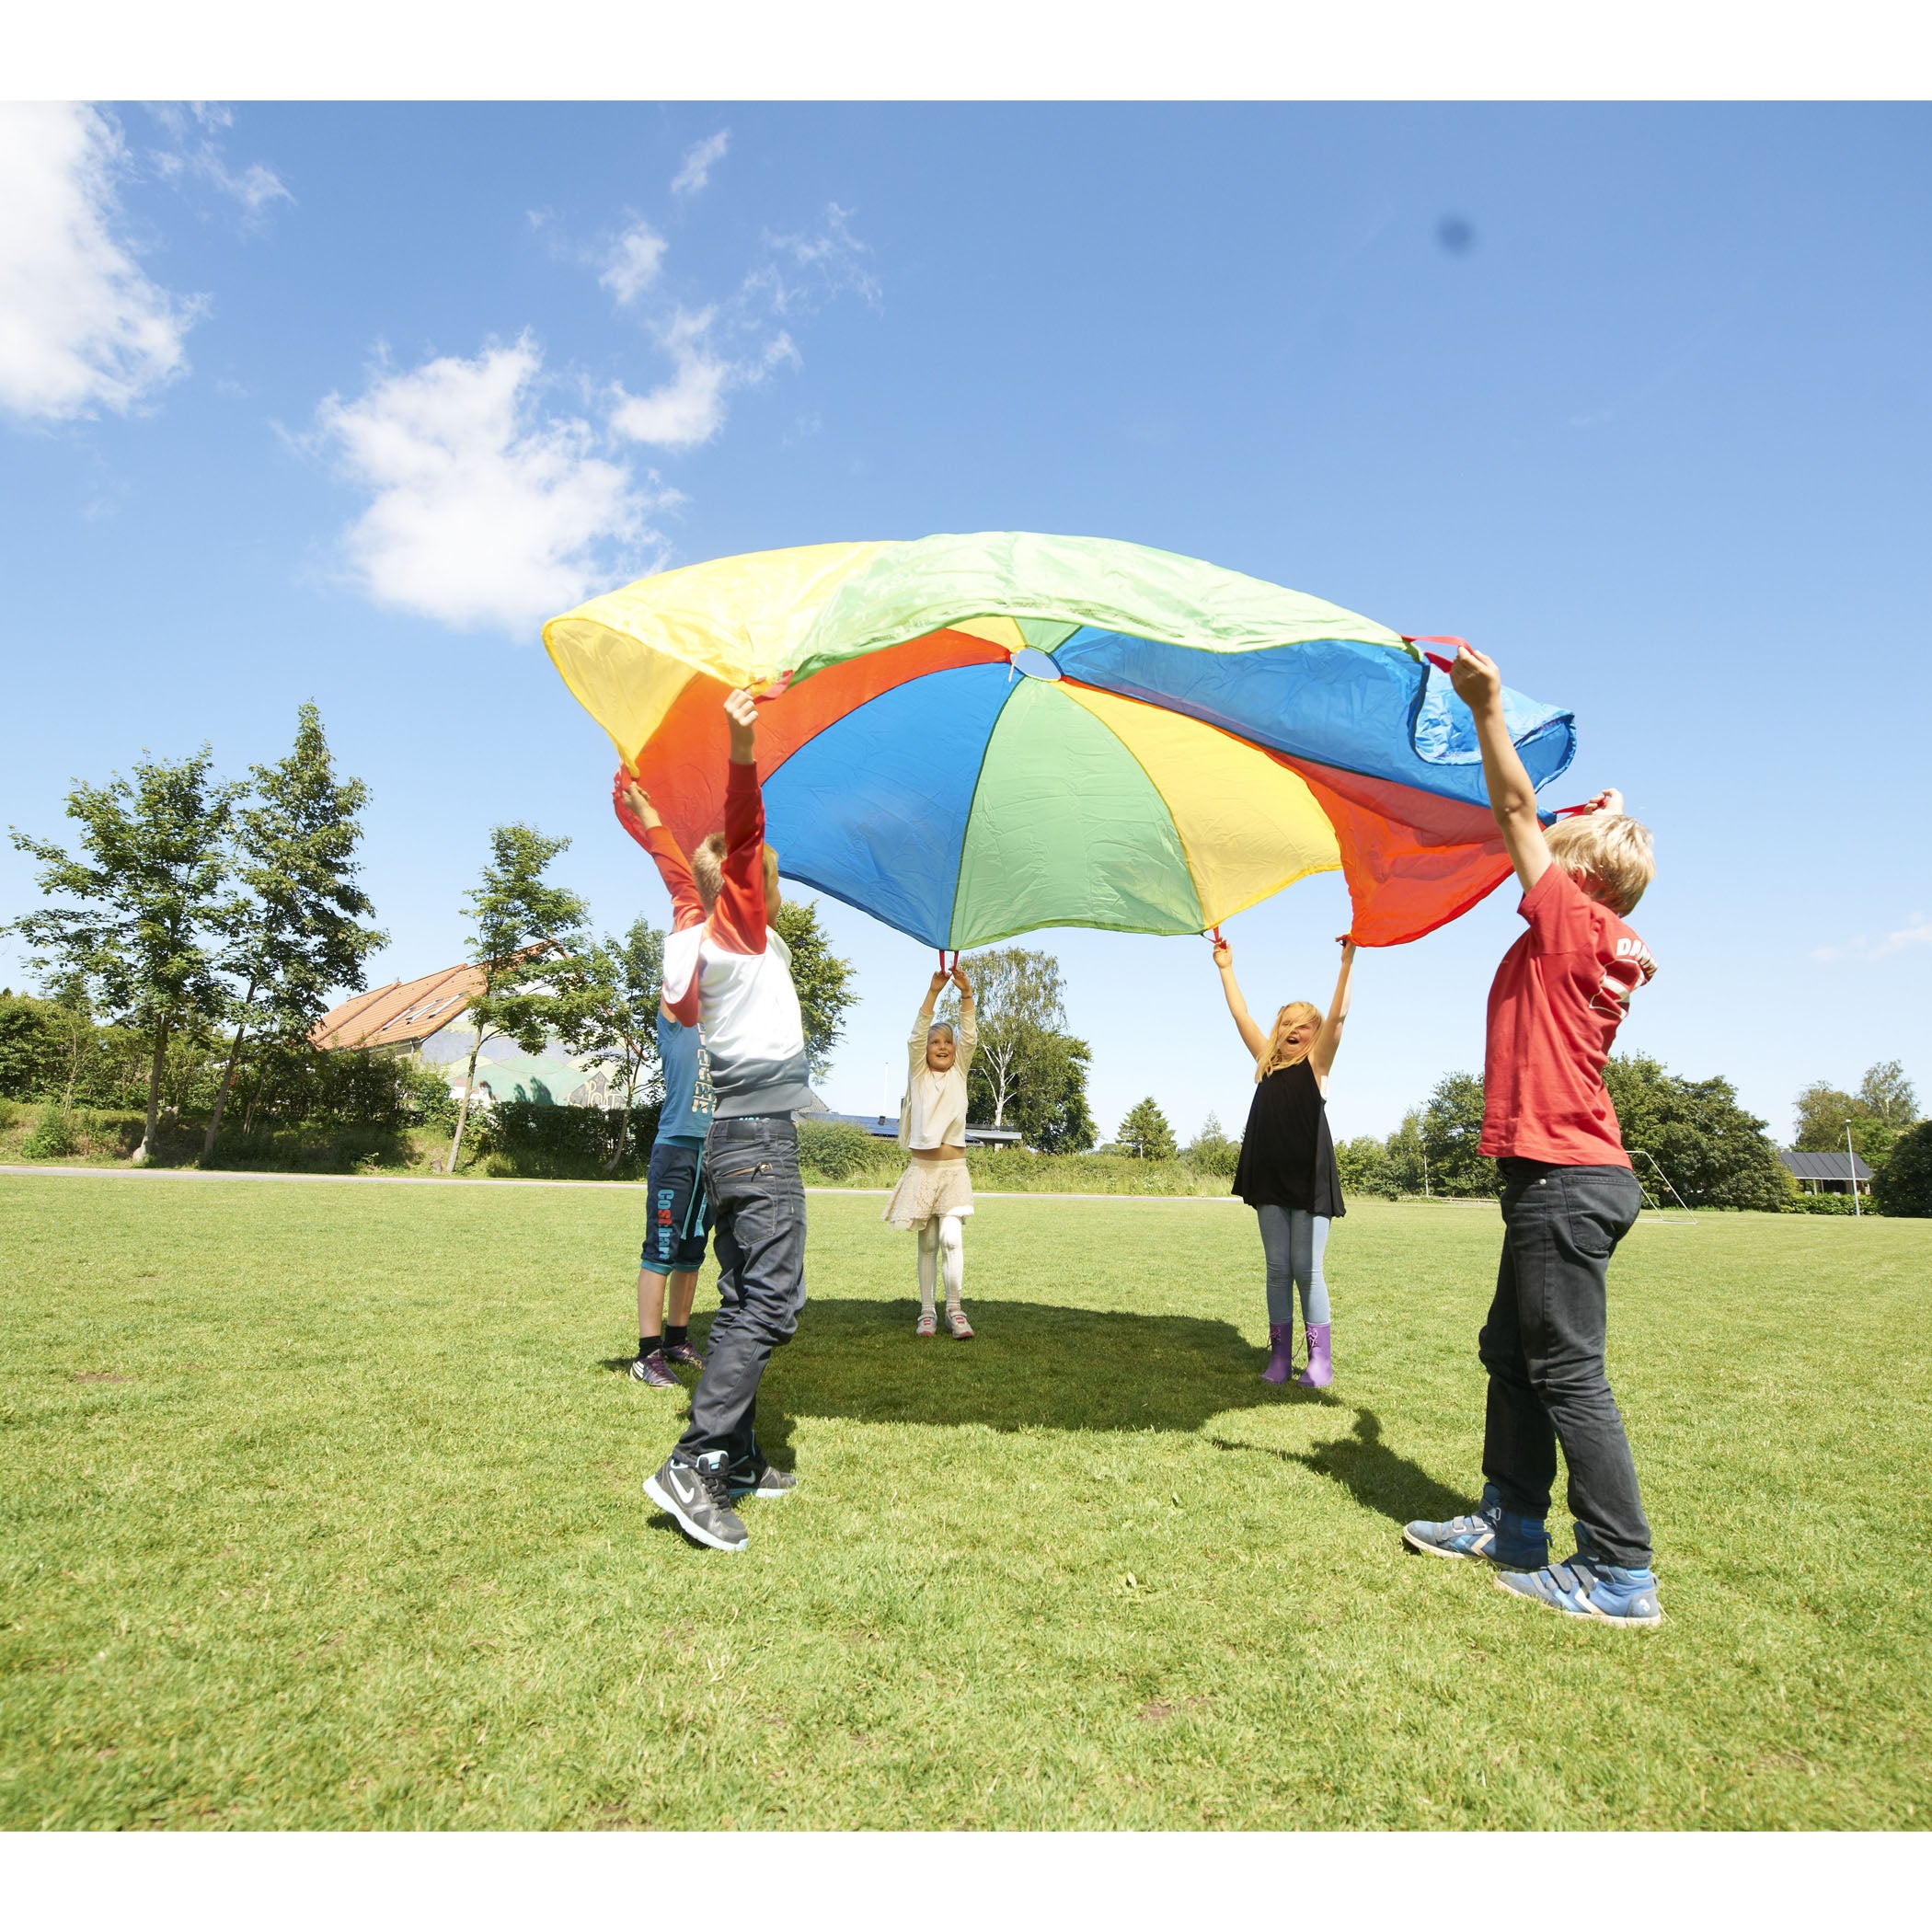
654,1371
759,1479
697,1496
1492,1534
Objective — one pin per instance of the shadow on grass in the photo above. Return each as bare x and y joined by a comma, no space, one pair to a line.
1370,1471
1034,1365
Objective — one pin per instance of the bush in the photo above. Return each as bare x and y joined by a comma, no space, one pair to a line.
1904,1185
525,1138
1826,1204
838,1151
55,1134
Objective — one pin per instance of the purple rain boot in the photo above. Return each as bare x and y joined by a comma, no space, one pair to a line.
1320,1371
1281,1358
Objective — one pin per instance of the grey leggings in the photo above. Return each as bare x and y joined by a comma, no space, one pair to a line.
1293,1242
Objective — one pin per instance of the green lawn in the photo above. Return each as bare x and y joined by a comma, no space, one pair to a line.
321,1507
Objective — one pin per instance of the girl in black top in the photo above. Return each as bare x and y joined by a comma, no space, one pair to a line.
1287,1172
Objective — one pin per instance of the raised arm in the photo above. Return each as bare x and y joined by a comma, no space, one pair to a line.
1252,1037
1512,798
638,817
738,920
915,1040
966,1035
1327,1042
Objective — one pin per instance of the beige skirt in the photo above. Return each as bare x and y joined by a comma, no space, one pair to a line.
928,1189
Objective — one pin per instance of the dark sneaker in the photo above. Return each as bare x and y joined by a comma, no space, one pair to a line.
697,1496
759,1479
654,1371
1493,1534
685,1356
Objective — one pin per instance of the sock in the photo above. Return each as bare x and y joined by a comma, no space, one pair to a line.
648,1345
674,1333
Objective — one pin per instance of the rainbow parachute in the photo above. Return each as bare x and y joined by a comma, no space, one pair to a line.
970,737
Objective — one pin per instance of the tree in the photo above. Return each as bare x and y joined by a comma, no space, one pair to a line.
1450,1128
1407,1164
518,918
1017,1002
1364,1167
1145,1133
823,982
151,906
617,1020
1876,1115
1904,1186
1714,1153
1050,1106
297,935
1212,1151
1887,1095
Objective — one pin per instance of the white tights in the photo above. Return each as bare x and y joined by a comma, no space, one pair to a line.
942,1251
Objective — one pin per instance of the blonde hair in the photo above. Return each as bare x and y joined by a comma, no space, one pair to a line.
707,870
1611,851
1279,1054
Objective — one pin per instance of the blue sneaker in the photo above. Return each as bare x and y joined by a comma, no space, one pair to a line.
1494,1534
1604,1593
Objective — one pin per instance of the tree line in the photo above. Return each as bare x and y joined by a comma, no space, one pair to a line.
199,928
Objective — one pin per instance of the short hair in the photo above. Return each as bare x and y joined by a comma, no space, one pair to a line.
708,868
1610,849
941,1026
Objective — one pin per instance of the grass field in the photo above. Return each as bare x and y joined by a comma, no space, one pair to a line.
321,1507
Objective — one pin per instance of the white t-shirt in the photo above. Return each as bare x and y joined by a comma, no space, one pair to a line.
934,1115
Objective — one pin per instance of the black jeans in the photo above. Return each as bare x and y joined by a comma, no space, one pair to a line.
1543,1346
752,1176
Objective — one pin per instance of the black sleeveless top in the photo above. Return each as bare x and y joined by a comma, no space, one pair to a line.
1287,1156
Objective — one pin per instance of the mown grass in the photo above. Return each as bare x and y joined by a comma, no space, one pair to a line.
321,1507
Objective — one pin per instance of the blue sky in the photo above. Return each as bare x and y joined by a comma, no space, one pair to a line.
341,401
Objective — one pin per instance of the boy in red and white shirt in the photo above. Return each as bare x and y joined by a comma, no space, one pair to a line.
732,975
1569,1196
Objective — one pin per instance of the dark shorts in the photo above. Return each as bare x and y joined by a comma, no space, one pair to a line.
679,1211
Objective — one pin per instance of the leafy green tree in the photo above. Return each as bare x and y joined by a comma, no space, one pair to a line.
1715,1154
1212,1151
298,935
1884,1106
1050,1106
1451,1129
149,906
1017,1005
823,982
616,1021
1145,1133
1406,1165
1904,1185
1365,1167
524,933
1888,1096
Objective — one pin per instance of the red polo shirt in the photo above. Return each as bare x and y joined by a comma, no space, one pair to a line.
1558,998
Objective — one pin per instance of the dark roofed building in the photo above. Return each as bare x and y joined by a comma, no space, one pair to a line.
1826,1173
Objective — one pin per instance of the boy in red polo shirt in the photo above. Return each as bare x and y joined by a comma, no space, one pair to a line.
1569,1196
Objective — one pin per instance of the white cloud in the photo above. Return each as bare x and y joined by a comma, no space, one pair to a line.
689,408
81,325
815,265
633,262
1917,931
196,154
697,171
484,509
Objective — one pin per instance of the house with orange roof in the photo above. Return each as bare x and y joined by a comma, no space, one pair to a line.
428,1017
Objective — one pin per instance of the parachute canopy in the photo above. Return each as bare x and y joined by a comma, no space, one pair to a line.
970,737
